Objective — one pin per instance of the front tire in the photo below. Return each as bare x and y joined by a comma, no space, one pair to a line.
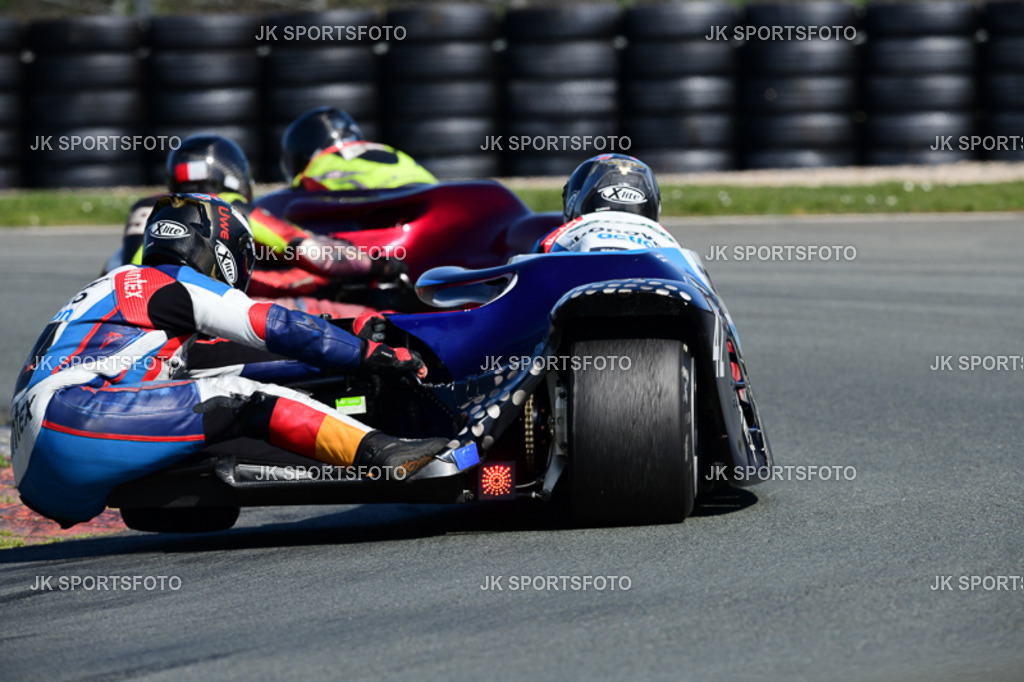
632,432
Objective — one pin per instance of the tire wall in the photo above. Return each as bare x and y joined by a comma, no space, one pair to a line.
1001,79
12,140
300,74
440,88
920,70
560,78
85,80
679,89
798,97
203,75
555,84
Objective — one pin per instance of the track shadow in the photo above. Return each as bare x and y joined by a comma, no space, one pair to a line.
724,500
352,525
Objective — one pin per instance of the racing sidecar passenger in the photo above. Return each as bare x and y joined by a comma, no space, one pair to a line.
611,202
106,395
212,164
324,149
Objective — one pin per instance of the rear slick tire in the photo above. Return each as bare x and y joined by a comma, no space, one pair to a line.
633,433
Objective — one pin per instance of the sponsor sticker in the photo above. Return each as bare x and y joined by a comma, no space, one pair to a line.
168,229
622,194
355,404
227,264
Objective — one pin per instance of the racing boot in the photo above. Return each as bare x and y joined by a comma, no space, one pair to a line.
377,449
290,424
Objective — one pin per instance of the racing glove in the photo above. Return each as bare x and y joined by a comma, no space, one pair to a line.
371,326
378,358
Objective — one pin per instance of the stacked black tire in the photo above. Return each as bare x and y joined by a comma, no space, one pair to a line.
1003,81
919,85
84,93
12,143
439,89
560,79
678,87
305,69
203,77
799,95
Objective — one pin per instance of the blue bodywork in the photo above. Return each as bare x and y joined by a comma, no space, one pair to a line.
525,307
518,319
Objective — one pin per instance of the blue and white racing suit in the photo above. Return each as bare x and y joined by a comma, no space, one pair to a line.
618,231
607,231
106,396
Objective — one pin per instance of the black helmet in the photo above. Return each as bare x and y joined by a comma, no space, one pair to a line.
612,182
205,233
209,164
313,132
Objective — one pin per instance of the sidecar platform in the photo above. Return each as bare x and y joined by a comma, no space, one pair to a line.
249,473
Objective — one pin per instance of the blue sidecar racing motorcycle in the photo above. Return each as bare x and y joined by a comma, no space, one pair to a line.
612,381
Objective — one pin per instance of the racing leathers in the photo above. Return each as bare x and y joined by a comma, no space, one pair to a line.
361,165
607,231
107,394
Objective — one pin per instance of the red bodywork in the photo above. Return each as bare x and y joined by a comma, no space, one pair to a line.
472,224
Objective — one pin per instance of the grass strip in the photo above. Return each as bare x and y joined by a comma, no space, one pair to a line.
891,197
110,207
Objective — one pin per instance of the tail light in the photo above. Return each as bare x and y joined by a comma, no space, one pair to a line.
498,481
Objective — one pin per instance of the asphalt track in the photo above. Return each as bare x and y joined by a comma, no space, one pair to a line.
796,580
